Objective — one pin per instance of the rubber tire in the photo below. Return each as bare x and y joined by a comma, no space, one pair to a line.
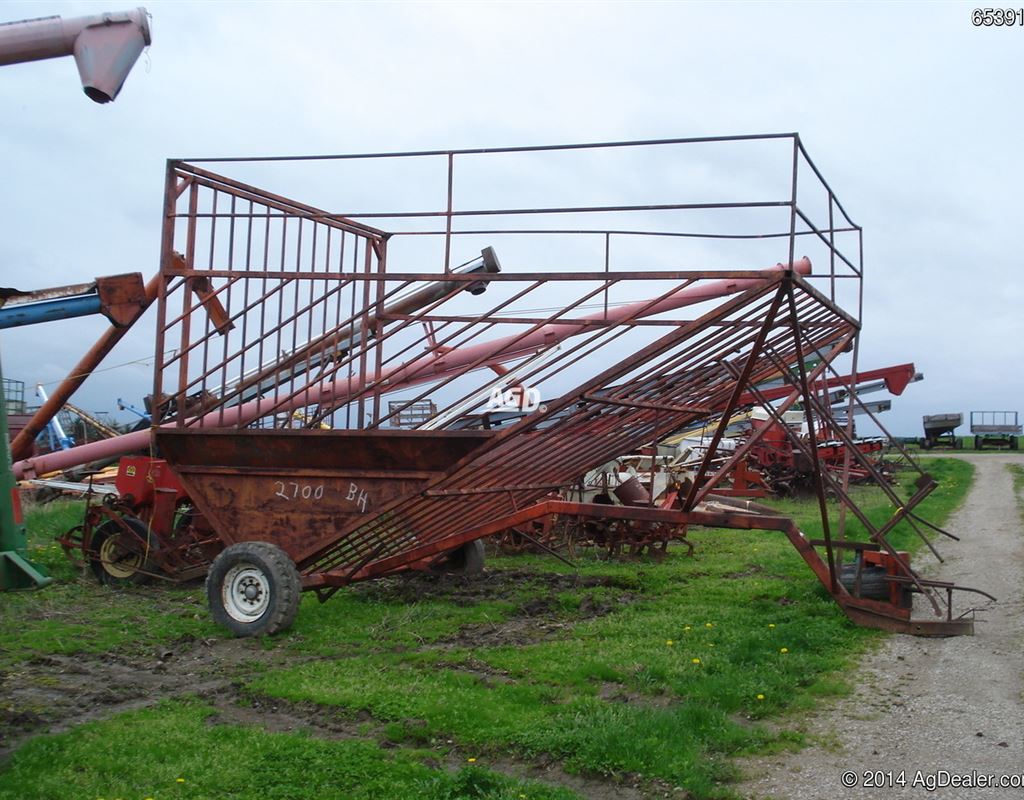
285,587
468,559
104,532
873,585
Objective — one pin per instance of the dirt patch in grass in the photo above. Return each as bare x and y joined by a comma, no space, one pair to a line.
487,674
280,716
626,787
491,585
617,693
53,693
753,569
515,631
538,620
539,613
60,692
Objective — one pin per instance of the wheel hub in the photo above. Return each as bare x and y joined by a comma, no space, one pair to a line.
118,561
246,592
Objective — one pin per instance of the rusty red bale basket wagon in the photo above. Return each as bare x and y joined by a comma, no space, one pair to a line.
546,335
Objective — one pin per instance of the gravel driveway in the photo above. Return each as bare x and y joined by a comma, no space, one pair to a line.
931,709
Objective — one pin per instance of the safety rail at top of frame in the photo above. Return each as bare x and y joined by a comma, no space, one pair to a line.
374,279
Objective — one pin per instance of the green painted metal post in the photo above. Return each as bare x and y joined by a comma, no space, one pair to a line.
16,571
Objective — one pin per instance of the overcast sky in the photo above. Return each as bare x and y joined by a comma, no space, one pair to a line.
913,115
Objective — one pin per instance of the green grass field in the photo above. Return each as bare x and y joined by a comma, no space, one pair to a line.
634,672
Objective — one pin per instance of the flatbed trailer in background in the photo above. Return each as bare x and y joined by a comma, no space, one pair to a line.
995,429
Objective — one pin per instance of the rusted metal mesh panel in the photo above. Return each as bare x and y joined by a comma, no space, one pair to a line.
692,372
254,301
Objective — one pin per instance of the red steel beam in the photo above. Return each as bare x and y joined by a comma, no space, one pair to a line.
896,379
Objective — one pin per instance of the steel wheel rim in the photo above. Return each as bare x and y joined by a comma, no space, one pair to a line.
114,560
245,592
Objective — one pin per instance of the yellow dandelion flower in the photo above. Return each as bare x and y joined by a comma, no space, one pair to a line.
784,650
709,625
179,780
686,628
694,660
471,760
760,697
771,624
669,642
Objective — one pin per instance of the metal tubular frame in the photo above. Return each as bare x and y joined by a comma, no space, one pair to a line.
310,309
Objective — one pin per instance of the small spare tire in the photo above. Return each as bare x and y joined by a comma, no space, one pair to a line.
873,583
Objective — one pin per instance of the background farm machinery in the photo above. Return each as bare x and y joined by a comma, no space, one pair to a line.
992,429
995,429
120,299
940,431
293,344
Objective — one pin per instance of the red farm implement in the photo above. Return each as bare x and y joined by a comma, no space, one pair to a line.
290,339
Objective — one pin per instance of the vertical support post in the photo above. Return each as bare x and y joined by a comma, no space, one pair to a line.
448,215
16,571
364,336
607,268
159,283
792,198
860,276
831,248
181,393
380,259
